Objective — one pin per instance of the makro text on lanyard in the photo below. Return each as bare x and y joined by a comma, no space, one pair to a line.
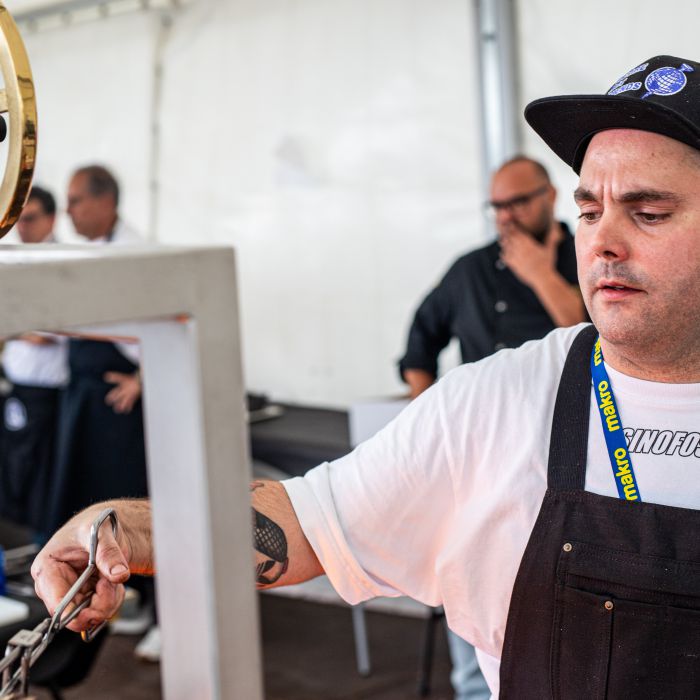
620,459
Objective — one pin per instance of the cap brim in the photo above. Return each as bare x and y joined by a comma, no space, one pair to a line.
568,123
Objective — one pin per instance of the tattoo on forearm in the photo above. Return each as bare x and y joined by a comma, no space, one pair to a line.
271,543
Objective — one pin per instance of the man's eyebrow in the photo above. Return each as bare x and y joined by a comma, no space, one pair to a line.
651,196
581,194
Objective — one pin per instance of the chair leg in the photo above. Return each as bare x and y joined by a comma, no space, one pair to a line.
428,651
359,627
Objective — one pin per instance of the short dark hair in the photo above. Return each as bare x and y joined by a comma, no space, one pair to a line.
45,199
538,167
100,181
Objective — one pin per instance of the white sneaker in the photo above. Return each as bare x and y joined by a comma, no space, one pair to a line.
148,649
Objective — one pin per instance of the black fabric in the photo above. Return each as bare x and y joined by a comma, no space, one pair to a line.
661,95
100,453
606,603
27,455
568,444
464,306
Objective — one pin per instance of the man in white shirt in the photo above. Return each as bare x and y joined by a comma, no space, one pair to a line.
101,451
37,367
547,496
93,207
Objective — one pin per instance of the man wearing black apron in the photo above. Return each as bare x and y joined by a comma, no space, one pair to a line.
572,563
101,451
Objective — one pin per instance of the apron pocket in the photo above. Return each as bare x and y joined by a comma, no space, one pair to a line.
655,652
626,625
580,645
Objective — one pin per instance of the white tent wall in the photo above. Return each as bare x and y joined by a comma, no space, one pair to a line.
94,85
334,144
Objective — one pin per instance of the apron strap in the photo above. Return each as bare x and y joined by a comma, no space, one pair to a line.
568,446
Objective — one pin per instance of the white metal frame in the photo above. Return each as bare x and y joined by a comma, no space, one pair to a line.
196,443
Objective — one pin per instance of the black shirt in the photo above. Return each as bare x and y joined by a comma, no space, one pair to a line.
484,305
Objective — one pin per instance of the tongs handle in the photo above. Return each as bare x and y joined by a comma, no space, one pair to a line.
58,622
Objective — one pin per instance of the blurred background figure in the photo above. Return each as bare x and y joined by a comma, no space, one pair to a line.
37,220
517,288
100,446
37,368
93,207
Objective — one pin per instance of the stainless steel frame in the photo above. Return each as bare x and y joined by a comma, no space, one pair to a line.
182,305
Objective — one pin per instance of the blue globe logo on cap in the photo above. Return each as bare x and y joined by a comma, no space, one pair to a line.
666,81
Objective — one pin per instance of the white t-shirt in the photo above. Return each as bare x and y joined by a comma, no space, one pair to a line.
439,506
30,364
124,234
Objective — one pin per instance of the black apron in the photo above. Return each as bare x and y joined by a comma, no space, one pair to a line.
606,603
100,453
27,454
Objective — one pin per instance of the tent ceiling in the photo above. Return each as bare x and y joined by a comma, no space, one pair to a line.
39,14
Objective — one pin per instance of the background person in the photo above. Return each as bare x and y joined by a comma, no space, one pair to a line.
517,288
37,367
101,452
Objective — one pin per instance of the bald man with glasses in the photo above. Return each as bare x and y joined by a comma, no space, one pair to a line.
515,289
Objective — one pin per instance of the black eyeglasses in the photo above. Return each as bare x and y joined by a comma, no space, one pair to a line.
516,203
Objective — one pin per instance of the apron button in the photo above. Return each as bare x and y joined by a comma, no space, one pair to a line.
609,605
567,547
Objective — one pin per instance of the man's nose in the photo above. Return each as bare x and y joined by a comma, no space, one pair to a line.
504,215
610,238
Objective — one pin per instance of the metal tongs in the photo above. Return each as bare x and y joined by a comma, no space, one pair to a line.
58,622
28,645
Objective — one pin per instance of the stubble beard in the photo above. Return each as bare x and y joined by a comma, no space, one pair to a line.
540,229
651,327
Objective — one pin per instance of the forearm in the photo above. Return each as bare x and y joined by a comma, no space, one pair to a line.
283,555
418,381
561,300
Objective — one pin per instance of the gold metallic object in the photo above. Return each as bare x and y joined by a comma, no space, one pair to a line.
17,100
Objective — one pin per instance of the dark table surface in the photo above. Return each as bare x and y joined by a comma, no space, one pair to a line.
301,438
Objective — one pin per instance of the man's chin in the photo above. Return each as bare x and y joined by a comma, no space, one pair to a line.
623,331
540,236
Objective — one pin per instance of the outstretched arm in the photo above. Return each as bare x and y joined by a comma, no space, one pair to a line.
282,552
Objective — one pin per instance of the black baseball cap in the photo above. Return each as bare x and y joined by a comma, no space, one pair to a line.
660,95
